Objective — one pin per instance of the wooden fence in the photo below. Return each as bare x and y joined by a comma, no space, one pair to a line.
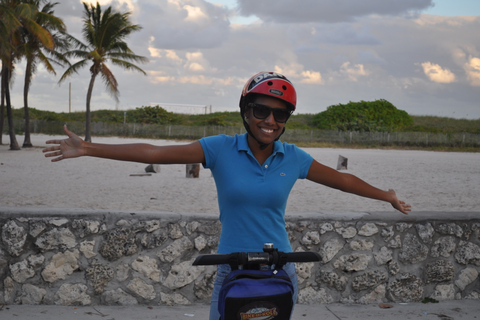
290,135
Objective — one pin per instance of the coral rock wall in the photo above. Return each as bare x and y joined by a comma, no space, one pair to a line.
80,257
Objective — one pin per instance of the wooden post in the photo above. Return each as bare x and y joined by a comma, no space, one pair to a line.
193,170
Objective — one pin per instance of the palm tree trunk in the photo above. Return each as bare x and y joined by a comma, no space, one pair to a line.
88,127
2,114
28,74
11,129
2,105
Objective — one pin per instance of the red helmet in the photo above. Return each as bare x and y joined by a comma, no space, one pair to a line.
270,84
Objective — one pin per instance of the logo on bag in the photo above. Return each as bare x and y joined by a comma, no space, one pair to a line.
262,310
264,314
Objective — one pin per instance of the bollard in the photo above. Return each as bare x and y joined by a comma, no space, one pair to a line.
342,163
193,170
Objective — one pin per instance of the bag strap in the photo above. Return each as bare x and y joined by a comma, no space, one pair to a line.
257,276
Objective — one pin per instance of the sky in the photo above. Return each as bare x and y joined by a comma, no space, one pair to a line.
421,55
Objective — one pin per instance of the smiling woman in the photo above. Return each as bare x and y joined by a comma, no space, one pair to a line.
254,173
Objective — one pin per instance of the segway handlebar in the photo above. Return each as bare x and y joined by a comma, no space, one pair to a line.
271,257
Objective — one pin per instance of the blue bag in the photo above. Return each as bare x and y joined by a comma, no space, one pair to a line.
256,295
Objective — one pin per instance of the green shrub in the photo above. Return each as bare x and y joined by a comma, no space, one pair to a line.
363,116
152,115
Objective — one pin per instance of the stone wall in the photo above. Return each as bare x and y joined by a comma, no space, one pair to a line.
81,257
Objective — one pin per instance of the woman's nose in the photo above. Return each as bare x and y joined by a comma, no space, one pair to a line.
270,118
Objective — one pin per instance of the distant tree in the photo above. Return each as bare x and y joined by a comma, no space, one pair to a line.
363,116
104,33
34,51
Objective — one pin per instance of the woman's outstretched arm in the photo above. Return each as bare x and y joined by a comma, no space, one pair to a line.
349,183
74,146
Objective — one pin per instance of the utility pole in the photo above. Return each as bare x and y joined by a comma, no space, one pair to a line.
69,97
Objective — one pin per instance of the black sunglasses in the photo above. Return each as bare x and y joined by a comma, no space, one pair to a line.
261,111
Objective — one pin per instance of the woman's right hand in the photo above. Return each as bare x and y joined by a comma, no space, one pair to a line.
71,147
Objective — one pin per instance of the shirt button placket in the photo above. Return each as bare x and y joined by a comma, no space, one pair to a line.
264,171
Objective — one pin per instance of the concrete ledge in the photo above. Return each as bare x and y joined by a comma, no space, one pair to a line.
390,216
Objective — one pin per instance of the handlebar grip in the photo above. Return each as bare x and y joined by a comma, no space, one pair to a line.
308,256
211,259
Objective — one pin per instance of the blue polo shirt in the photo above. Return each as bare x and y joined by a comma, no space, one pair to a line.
252,198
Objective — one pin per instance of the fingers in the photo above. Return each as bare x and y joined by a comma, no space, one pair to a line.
53,141
48,149
53,154
399,205
57,159
53,151
403,207
58,141
67,132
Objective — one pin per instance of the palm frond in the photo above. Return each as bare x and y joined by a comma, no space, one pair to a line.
74,68
46,62
81,54
127,65
110,82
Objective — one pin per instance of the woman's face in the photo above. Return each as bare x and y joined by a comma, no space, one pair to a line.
268,129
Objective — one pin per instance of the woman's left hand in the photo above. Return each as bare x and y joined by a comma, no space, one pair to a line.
399,205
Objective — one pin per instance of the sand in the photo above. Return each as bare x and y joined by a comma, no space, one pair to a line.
429,181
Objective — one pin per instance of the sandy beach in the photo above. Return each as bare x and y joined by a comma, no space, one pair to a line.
429,181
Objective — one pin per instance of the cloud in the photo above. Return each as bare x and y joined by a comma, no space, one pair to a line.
290,11
430,20
472,68
157,77
353,72
194,14
154,52
119,5
311,77
196,62
436,73
201,80
182,24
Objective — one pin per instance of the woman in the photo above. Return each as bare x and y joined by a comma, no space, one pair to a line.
253,197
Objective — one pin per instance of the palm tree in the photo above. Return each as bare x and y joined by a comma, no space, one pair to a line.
104,33
16,18
33,51
8,24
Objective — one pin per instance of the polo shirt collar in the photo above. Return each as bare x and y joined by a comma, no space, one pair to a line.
242,144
